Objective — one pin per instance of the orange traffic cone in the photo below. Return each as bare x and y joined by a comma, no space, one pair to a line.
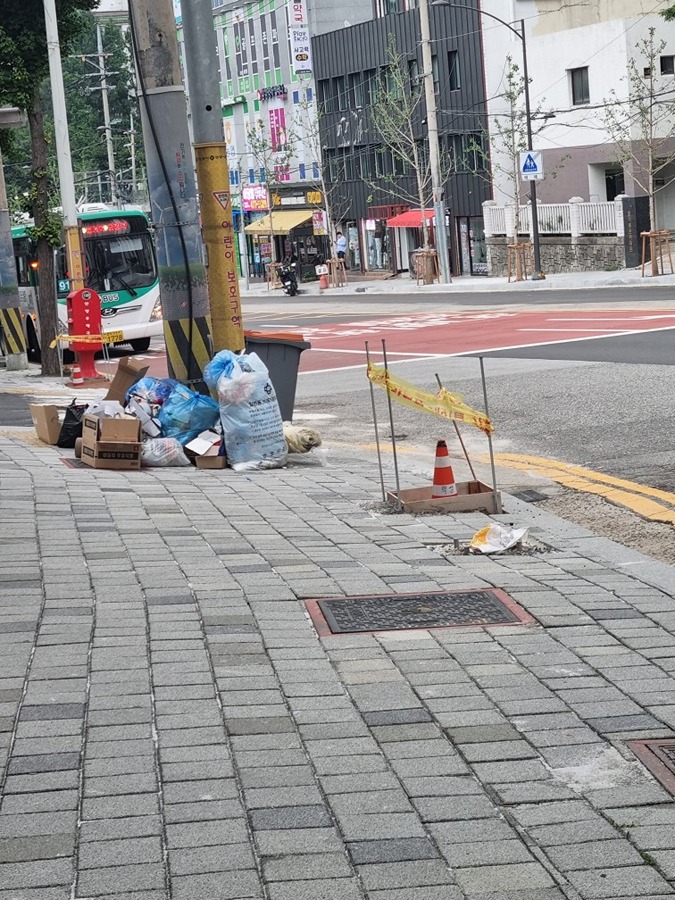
444,479
323,282
76,375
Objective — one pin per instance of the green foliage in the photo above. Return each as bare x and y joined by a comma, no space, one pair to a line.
669,13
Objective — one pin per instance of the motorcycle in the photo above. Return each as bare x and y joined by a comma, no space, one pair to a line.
289,279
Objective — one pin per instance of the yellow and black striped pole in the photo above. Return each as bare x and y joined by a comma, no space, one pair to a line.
11,325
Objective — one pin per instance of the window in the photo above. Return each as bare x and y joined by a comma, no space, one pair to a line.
453,70
252,46
434,69
579,85
356,91
340,92
668,65
369,86
414,74
327,98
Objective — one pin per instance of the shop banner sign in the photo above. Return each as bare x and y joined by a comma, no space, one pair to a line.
301,50
319,222
253,197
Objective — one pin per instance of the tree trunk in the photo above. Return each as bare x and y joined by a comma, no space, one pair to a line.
46,304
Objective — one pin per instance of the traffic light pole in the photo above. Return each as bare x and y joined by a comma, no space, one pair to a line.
11,323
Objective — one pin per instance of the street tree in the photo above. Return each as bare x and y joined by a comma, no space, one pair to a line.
24,66
669,13
403,167
640,124
272,150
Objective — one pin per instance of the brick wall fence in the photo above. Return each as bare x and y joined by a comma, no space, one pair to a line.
562,253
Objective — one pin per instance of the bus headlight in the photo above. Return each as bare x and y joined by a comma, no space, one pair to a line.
156,311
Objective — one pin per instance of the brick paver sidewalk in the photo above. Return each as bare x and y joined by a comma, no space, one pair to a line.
173,727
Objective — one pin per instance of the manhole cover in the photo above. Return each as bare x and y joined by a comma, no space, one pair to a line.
73,463
530,496
658,756
396,612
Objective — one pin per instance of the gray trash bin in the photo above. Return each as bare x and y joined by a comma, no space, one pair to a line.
281,354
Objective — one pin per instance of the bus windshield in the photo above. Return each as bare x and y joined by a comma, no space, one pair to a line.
119,254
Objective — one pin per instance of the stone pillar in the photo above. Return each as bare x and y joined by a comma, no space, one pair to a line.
618,215
510,219
575,217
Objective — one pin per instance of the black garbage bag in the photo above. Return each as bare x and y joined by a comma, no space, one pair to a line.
71,429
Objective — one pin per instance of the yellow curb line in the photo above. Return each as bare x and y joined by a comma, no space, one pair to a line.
597,483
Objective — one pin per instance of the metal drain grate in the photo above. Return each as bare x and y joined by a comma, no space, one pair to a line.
658,755
73,463
397,612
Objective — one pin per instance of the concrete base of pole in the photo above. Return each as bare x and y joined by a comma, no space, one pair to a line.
15,362
538,276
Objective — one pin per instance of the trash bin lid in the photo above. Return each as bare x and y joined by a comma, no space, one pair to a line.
288,338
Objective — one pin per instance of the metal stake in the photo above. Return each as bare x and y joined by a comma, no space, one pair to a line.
399,503
377,430
498,504
461,441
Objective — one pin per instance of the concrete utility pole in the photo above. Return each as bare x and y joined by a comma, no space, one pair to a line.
213,175
106,115
63,158
14,337
437,185
173,193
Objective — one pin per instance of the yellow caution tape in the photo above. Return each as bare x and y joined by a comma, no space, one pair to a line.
110,337
443,404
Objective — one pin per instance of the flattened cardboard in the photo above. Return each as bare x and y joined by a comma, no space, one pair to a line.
126,428
206,443
46,422
129,371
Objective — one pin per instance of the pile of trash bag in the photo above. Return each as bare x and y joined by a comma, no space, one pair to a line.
244,425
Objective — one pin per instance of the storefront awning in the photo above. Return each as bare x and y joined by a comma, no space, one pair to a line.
280,220
410,219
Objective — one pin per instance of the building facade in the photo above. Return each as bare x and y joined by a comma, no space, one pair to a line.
579,57
348,68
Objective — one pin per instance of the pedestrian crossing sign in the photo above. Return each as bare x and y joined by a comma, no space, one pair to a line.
531,165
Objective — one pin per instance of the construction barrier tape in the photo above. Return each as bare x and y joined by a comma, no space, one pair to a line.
443,404
110,337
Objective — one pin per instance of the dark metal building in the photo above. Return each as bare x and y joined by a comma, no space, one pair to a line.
347,65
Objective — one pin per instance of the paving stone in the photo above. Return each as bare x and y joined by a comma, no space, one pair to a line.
397,717
483,880
124,828
447,809
437,892
324,889
631,881
238,884
44,873
212,858
53,762
395,850
486,853
207,834
26,849
398,875
290,817
615,724
294,840
306,866
594,855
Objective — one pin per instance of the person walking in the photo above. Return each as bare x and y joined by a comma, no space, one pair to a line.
340,245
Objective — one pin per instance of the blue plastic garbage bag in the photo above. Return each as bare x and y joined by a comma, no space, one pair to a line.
249,411
155,391
185,414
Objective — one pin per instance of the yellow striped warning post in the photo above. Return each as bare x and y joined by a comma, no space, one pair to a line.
185,361
12,330
639,498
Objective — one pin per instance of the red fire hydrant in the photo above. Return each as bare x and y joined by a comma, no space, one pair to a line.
84,321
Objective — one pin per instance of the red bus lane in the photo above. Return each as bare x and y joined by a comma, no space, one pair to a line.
340,346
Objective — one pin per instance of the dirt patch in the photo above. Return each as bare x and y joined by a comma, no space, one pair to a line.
621,525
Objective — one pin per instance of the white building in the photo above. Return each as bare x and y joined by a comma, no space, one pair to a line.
578,54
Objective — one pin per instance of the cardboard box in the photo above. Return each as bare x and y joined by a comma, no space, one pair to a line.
111,443
129,371
46,422
210,462
472,496
207,442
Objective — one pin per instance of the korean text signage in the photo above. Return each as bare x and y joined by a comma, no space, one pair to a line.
297,13
531,165
301,50
253,197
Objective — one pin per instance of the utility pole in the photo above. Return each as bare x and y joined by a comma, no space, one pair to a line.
62,145
173,193
11,325
537,274
437,186
213,175
106,115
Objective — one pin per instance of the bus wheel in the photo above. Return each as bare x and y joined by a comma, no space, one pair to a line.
140,345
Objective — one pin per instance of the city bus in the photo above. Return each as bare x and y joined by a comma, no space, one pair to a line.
120,266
